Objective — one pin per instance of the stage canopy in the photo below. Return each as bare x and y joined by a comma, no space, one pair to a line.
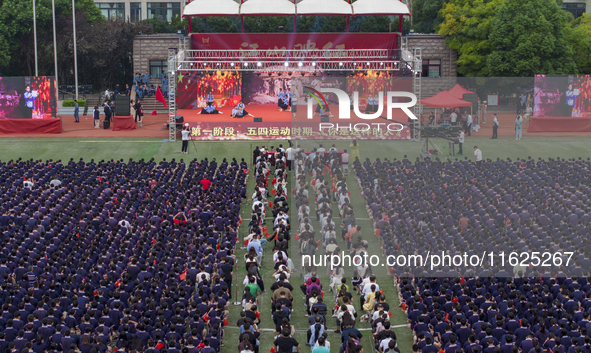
288,8
212,8
267,7
380,7
324,7
445,100
459,91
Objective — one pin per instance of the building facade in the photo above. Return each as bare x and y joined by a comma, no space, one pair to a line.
150,52
438,62
141,10
577,7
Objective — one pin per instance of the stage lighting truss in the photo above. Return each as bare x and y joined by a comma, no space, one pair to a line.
289,66
290,60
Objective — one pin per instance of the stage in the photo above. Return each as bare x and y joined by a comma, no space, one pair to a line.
561,124
30,126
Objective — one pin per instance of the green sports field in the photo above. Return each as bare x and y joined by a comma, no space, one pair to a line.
105,149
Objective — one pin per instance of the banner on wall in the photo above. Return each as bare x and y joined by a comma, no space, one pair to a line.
298,41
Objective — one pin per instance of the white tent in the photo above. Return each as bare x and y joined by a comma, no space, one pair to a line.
212,8
380,7
324,7
266,7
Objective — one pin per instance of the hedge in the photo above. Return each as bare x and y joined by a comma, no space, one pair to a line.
71,103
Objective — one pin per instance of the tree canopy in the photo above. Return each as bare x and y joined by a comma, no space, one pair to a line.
578,34
527,38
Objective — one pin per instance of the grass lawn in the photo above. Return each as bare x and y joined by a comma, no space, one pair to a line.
99,149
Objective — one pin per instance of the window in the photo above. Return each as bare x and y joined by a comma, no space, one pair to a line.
156,67
576,8
431,68
112,10
164,10
135,11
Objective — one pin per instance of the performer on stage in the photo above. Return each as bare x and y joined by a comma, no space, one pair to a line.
369,108
209,109
239,113
284,103
280,97
209,98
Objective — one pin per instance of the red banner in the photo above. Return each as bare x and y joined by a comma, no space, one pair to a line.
298,41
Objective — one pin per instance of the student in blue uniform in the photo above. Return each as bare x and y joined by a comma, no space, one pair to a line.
369,107
209,109
289,95
280,97
209,98
239,113
376,102
139,92
284,103
165,87
146,78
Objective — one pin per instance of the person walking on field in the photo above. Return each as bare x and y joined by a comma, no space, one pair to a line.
76,111
518,125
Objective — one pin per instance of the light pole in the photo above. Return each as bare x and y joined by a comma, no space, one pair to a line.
35,38
75,52
54,46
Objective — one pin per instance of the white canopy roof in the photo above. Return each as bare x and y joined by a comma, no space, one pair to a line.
287,7
380,7
324,7
212,8
267,7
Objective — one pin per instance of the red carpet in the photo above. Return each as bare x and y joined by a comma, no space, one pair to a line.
30,126
564,124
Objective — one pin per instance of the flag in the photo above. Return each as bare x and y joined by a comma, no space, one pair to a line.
160,97
183,275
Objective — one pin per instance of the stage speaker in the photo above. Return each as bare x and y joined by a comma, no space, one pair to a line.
122,106
179,119
258,120
324,119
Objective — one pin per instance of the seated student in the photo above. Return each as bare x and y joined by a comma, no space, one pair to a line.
152,91
239,113
209,109
284,104
139,92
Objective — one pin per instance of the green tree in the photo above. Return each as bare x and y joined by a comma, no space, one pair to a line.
17,56
466,27
527,38
578,35
425,17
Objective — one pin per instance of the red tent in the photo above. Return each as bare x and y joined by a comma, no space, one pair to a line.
459,91
445,100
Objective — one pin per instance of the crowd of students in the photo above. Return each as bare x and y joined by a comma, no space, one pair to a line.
327,184
119,256
526,205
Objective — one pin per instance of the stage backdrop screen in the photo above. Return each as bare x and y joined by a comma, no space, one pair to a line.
27,97
562,96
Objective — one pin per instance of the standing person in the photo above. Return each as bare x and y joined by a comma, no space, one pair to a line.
76,111
209,98
96,116
453,117
354,150
137,106
280,96
185,138
469,122
461,141
146,78
127,90
518,125
290,154
477,156
107,111
495,126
